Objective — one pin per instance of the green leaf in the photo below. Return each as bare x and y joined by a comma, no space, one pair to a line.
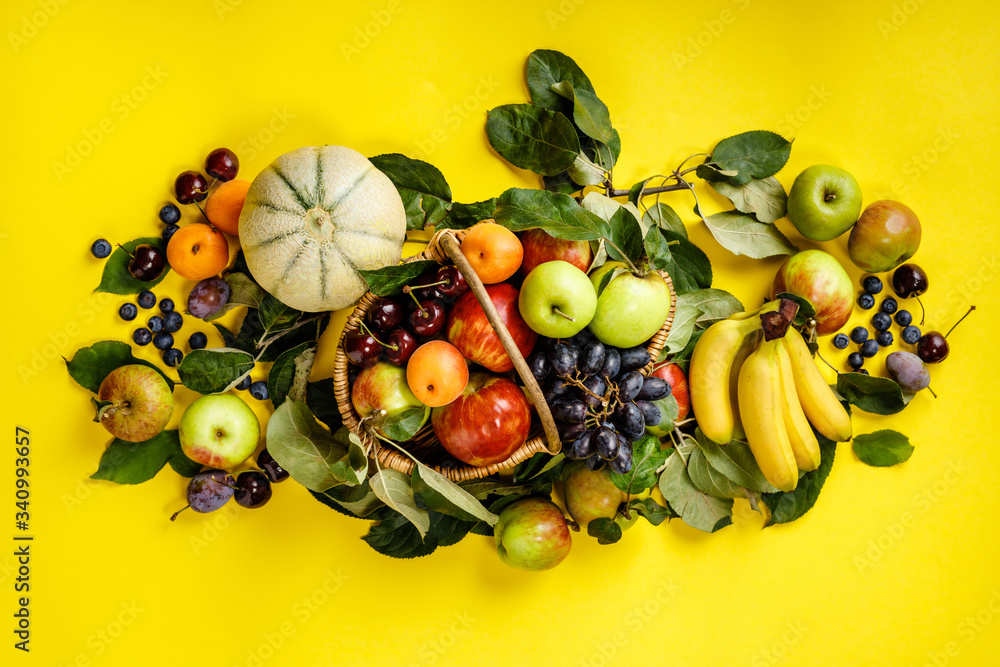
481,488
880,396
390,279
695,507
765,198
302,447
90,365
604,154
605,530
310,331
243,291
647,457
214,370
533,138
652,511
443,495
546,68
393,535
542,466
735,461
352,468
463,216
683,326
585,172
608,277
665,217
713,173
756,154
422,187
405,424
712,305
657,250
279,378
184,466
689,268
519,209
789,506
126,462
275,316
626,237
590,114
117,280
356,501
562,183
742,235
710,480
883,448
393,488
322,400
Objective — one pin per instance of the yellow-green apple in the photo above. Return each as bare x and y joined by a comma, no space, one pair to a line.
473,335
532,534
886,235
219,430
592,495
557,299
487,423
824,202
819,278
631,308
135,402
382,386
540,247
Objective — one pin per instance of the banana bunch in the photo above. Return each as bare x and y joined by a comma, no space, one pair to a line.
768,392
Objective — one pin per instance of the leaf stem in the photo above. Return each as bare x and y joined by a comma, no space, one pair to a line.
614,192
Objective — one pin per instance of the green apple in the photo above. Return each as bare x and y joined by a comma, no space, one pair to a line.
532,534
382,386
631,308
219,430
135,402
592,495
824,202
886,235
557,299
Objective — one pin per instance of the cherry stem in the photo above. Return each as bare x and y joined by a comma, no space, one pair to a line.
922,313
562,314
932,391
368,331
420,306
971,308
174,515
440,282
126,251
827,362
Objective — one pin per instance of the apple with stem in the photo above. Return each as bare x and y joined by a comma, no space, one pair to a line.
540,247
631,309
886,235
592,495
532,534
824,202
818,277
134,402
219,431
380,392
557,299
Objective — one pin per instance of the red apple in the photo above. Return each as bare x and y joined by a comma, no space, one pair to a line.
383,387
819,278
532,534
540,247
470,331
673,374
486,424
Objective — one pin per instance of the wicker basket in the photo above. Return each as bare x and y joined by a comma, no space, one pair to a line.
425,446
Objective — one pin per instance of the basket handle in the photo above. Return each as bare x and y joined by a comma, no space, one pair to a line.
450,245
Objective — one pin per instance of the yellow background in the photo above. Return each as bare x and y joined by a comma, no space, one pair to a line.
894,566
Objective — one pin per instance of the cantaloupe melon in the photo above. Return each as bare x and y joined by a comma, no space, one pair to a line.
312,219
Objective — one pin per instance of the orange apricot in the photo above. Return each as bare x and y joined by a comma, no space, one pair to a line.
224,203
494,251
437,373
198,251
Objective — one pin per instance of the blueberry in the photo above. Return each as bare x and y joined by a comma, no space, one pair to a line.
166,305
855,360
146,299
128,311
872,285
911,334
170,214
172,322
840,341
866,301
173,356
903,318
864,371
259,390
197,341
101,248
881,321
155,324
244,383
169,231
889,305
884,338
142,336
163,341
869,348
859,335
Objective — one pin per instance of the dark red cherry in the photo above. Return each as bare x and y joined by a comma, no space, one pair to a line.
429,318
909,280
190,187
361,348
932,347
386,314
222,164
455,285
148,262
405,345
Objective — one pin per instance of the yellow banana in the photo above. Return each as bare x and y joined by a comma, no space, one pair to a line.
818,401
760,404
708,376
748,345
805,447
